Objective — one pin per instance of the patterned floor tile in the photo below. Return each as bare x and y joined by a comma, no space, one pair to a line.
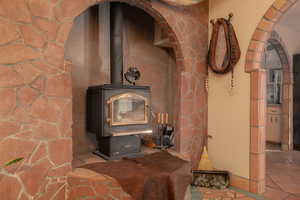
283,176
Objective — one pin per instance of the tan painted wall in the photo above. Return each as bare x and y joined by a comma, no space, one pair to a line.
229,113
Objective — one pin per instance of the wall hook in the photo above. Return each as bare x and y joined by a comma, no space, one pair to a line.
230,16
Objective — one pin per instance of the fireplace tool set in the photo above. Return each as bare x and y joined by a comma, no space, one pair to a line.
163,136
165,132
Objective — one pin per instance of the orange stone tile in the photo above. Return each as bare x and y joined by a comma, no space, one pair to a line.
10,188
8,128
32,37
64,155
59,86
245,198
258,113
80,192
8,32
27,71
266,25
272,194
27,95
54,55
251,66
254,56
48,27
43,109
64,31
257,46
273,14
8,100
46,131
292,198
257,166
279,4
257,187
14,53
258,85
9,77
40,8
16,10
257,140
34,176
260,35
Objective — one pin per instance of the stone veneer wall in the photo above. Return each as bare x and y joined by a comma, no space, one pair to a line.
35,89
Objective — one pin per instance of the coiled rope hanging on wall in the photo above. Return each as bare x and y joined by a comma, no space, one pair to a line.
233,52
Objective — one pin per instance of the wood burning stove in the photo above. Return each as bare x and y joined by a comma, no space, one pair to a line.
118,114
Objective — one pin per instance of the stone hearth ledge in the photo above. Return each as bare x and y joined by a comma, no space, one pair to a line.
83,183
88,158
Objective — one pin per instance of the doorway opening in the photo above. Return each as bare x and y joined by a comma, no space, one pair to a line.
281,63
279,103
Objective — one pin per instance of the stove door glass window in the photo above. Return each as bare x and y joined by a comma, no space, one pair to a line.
128,108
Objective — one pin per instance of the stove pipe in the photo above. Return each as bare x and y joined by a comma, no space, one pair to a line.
116,43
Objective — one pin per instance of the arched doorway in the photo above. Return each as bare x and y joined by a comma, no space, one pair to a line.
190,121
258,99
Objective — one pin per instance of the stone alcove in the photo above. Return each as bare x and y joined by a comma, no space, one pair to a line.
88,50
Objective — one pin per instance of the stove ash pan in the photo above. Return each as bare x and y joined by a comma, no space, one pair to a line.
118,110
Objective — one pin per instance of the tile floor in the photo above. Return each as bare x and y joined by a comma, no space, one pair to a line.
283,175
282,180
228,194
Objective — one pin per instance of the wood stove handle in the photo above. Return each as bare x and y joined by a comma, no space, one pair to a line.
137,132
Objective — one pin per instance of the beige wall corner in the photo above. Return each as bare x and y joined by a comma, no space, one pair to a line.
229,112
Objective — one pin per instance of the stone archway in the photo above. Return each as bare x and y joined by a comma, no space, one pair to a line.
258,92
191,88
36,97
188,65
